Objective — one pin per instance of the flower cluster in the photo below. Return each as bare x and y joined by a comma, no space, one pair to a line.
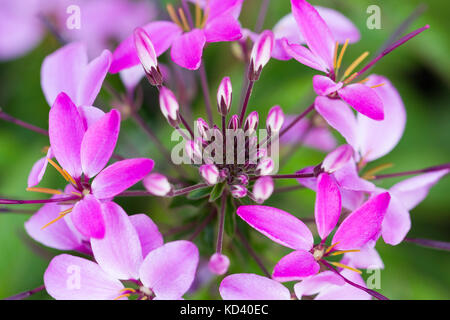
229,167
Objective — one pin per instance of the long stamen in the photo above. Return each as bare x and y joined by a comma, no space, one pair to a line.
350,79
183,19
59,169
44,190
72,180
122,296
60,216
340,265
127,289
336,253
355,63
370,174
198,14
341,55
336,47
173,15
331,247
378,85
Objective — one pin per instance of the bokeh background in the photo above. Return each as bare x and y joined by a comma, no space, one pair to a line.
420,70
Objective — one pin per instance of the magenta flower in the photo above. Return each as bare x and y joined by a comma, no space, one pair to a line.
132,250
218,23
360,227
83,154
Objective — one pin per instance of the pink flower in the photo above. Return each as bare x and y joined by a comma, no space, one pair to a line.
132,250
219,23
83,154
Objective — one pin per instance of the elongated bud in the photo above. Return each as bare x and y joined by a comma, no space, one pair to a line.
218,264
251,123
209,173
233,124
157,184
169,106
193,151
238,191
147,56
202,128
337,158
262,189
261,52
275,119
265,167
243,179
224,96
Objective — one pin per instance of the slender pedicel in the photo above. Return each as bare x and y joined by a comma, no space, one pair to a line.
252,253
439,245
26,294
407,173
223,205
21,123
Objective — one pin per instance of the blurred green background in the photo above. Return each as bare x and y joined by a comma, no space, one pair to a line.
420,70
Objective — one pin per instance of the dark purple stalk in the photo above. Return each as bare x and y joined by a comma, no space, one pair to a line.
186,125
294,122
178,192
21,123
440,245
205,88
287,176
253,253
202,225
373,293
23,211
407,173
52,200
245,104
26,294
261,16
392,47
223,205
188,189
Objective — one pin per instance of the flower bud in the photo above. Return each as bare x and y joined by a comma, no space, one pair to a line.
275,119
262,189
147,56
337,158
265,167
169,106
209,173
233,124
261,52
243,179
157,184
194,151
224,96
202,128
251,123
218,263
238,191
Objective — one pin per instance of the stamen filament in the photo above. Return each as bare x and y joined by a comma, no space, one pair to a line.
336,47
60,216
355,63
127,289
349,79
44,190
59,169
183,19
378,85
122,296
72,180
198,14
331,247
340,265
336,253
341,55
173,15
370,174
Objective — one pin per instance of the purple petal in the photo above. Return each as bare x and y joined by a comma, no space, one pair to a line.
414,190
119,252
377,138
120,176
169,270
303,55
339,116
338,158
363,224
87,217
324,86
328,205
73,278
92,79
363,99
217,8
66,131
248,286
223,28
99,142
187,49
57,235
295,266
278,225
63,70
315,31
148,233
162,34
310,183
314,284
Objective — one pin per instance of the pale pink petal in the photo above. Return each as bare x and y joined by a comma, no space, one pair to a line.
278,225
148,233
162,35
351,200
414,190
315,31
57,235
169,270
87,217
324,86
38,170
119,252
340,26
223,28
339,116
338,158
73,278
303,55
90,115
314,284
295,266
377,138
348,178
120,176
311,182
131,77
99,142
63,70
366,258
346,291
363,224
396,223
248,286
328,205
187,49
363,99
92,79
66,131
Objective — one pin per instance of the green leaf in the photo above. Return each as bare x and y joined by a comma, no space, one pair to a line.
217,192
